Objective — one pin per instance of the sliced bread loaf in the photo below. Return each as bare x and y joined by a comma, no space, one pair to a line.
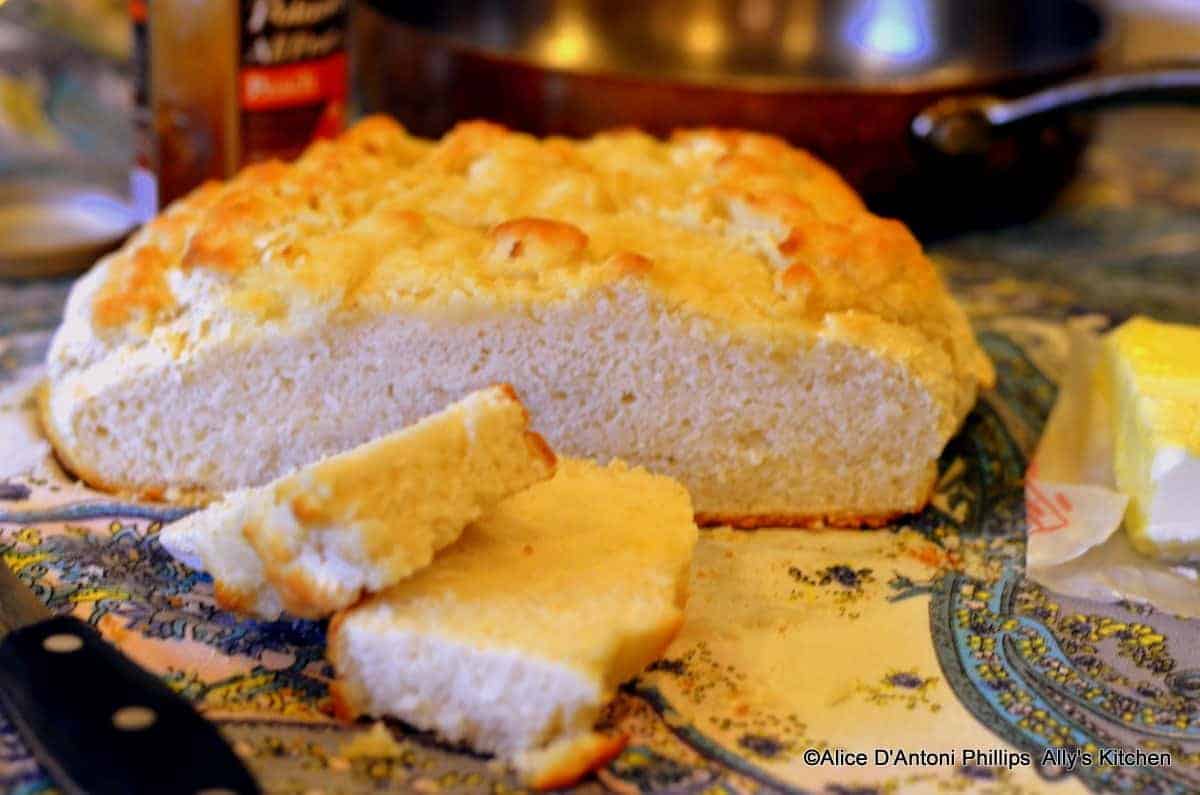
313,542
517,635
719,307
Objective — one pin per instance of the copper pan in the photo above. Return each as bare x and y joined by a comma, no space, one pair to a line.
851,80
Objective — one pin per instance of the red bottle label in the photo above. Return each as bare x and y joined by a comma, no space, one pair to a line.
292,84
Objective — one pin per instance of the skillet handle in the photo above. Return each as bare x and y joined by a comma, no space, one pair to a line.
1166,83
963,125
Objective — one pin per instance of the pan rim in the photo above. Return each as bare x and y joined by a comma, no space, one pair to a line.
950,77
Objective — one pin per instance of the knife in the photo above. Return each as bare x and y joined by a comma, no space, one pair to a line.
97,722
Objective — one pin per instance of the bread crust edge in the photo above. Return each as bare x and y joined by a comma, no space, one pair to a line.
589,756
155,492
817,521
800,521
338,697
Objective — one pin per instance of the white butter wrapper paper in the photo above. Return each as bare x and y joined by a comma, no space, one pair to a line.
1075,544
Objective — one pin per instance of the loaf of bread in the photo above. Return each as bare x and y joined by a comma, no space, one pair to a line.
718,307
515,637
314,541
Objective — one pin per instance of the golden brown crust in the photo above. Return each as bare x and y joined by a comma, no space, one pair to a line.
217,226
797,520
987,372
677,624
340,703
808,521
513,238
298,592
340,700
630,263
333,635
337,687
541,448
142,283
136,284
512,395
583,759
838,256
232,599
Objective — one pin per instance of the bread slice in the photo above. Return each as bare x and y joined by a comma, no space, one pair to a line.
516,636
718,307
313,542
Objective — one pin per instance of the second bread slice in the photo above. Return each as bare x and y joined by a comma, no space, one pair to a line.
516,637
314,541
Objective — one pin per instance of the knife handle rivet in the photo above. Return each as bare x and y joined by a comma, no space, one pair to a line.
133,719
62,643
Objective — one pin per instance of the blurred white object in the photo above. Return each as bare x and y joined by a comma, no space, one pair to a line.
51,226
24,125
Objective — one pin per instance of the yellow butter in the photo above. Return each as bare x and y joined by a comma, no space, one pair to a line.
1151,371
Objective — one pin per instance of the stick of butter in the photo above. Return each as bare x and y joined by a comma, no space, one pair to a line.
1151,374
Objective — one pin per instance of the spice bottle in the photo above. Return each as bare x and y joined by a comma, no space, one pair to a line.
223,83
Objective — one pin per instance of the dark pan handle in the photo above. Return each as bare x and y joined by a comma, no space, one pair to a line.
969,125
103,726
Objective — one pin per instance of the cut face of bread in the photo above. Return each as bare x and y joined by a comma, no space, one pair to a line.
517,635
718,307
312,542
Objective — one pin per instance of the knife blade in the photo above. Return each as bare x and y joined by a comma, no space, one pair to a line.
97,722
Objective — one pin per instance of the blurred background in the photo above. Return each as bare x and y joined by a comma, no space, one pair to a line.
109,108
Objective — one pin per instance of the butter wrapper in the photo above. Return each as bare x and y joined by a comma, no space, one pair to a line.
1075,545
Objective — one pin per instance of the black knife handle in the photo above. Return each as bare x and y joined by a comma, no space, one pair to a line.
100,724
